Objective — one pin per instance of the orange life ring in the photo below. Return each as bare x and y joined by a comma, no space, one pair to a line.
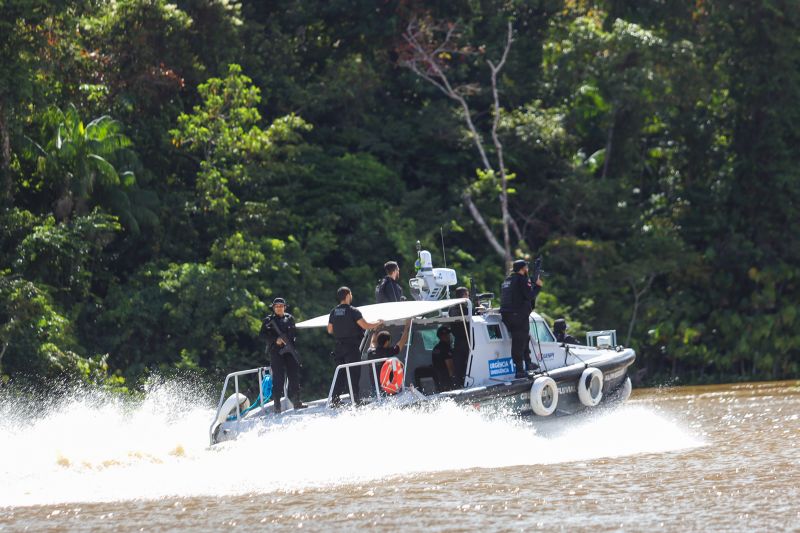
392,375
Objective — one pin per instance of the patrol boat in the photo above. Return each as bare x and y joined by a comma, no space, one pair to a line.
569,378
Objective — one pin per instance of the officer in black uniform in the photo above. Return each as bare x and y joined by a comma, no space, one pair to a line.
347,325
442,359
517,300
283,362
389,290
461,335
560,331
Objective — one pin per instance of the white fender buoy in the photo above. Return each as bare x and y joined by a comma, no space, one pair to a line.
229,407
544,396
626,389
590,387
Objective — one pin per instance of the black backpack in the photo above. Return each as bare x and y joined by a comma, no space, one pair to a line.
379,296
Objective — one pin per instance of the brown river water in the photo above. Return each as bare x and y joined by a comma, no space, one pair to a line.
718,458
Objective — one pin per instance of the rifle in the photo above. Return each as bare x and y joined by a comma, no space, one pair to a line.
538,272
288,345
473,293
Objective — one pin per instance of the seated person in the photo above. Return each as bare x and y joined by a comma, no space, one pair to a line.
442,358
381,344
560,331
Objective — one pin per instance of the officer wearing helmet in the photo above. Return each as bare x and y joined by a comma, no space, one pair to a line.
517,299
283,362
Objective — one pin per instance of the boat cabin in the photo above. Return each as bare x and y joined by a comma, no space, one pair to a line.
489,353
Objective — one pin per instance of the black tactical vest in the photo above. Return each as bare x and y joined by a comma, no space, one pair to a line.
345,327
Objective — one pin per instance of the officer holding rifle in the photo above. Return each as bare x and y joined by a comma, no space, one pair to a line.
517,299
280,333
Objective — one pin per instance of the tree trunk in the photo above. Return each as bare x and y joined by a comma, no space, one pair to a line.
609,144
637,295
5,158
2,353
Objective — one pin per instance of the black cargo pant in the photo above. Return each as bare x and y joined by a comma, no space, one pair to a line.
343,353
284,365
460,356
517,325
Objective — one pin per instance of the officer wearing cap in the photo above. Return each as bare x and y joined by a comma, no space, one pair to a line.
284,363
442,359
560,331
517,299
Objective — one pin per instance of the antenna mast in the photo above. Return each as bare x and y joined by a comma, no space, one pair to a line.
444,258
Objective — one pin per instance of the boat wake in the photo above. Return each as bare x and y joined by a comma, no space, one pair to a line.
91,447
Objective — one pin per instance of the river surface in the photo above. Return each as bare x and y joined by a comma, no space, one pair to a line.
721,458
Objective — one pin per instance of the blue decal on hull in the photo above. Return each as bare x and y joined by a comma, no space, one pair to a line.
501,367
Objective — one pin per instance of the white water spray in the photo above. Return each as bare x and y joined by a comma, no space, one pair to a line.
91,448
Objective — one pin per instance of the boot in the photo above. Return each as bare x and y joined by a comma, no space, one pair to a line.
277,407
298,404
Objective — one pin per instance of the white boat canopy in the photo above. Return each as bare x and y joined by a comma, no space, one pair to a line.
390,311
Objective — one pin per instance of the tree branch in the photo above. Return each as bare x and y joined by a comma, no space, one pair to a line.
637,295
424,59
473,209
429,60
499,146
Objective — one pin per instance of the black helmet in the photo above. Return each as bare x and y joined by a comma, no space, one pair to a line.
442,329
518,265
560,325
278,301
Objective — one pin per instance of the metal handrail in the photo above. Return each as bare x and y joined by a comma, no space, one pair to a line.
348,366
261,371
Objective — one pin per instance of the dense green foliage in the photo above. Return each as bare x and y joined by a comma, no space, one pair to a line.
167,169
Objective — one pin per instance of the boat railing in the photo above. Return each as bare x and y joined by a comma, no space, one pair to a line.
260,371
602,339
346,368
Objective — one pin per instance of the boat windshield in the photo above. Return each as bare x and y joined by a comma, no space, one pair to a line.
539,330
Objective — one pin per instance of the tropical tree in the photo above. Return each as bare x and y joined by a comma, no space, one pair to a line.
77,159
224,136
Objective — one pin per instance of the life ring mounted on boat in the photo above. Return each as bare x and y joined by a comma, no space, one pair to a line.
590,386
392,375
229,407
544,396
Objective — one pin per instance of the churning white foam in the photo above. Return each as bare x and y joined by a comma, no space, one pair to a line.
92,448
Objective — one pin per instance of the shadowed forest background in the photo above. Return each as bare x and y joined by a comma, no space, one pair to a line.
166,169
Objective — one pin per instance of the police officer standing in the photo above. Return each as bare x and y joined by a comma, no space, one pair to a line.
461,335
517,300
389,290
347,325
283,355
